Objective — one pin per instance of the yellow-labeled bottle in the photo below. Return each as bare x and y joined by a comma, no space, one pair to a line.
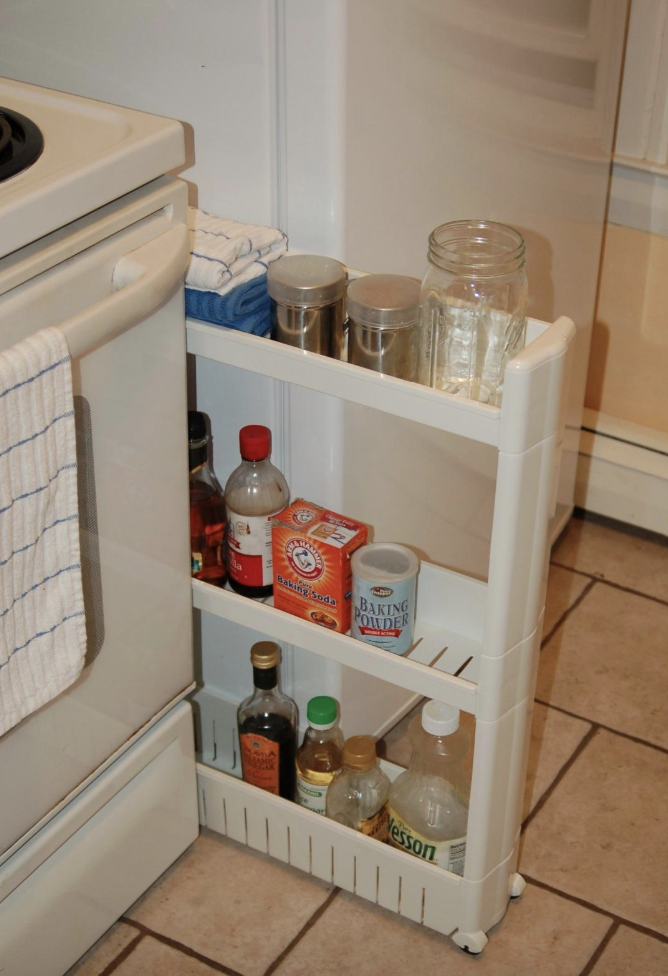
320,755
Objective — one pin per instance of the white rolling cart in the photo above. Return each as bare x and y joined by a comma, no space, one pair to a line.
476,648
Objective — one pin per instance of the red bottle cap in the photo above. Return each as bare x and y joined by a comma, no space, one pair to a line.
255,442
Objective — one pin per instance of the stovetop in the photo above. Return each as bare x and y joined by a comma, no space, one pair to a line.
63,156
21,143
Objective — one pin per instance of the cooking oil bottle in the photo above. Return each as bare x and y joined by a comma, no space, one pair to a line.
428,804
320,755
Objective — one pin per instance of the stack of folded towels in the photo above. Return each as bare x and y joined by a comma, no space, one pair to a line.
226,280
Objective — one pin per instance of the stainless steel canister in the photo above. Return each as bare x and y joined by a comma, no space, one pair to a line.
309,293
383,324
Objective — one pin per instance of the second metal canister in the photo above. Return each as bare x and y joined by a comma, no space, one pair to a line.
309,293
383,324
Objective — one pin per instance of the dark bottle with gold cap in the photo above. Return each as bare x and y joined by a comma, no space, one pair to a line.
268,721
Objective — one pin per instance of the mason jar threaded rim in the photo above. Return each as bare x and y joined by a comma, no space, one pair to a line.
477,248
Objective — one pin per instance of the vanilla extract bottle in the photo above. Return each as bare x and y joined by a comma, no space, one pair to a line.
267,723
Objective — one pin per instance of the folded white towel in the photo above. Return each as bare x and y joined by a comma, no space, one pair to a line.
42,625
226,253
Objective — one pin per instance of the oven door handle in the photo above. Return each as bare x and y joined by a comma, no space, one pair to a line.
142,280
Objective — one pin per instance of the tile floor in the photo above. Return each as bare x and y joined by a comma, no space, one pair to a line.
596,809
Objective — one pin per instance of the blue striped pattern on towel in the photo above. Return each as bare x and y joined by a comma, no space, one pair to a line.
42,625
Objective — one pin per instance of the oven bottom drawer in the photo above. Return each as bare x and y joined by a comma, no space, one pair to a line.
92,861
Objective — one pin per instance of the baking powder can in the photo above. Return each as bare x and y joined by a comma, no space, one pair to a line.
384,589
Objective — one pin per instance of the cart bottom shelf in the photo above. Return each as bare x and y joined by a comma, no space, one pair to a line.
332,852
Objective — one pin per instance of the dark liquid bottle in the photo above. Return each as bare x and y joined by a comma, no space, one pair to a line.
267,722
207,508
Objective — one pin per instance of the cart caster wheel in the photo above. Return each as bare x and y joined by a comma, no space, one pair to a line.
471,942
517,885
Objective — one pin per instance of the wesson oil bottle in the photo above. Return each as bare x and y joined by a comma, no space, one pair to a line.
320,755
267,722
428,805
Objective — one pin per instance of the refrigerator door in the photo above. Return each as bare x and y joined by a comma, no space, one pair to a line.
120,303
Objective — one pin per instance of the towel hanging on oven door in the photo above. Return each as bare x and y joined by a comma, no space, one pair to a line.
42,624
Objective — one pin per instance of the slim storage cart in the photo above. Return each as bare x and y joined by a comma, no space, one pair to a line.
476,645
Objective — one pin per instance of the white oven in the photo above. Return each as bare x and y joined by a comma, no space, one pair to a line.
97,789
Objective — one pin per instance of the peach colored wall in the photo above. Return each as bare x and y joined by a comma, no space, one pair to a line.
628,365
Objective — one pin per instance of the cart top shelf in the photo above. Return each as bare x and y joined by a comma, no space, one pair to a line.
529,412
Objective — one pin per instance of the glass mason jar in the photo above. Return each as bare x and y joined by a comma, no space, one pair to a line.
473,302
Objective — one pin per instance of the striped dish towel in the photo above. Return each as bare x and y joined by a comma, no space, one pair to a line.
226,253
42,625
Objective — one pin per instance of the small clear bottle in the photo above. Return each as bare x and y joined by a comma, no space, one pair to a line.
267,722
207,507
254,493
428,804
320,755
357,796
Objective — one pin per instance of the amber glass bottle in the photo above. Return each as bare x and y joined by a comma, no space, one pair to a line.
207,507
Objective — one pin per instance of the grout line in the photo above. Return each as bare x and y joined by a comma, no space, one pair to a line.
600,949
636,926
582,745
302,932
615,586
122,955
569,610
605,728
184,949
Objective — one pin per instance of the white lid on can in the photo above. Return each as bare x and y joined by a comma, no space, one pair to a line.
384,562
439,718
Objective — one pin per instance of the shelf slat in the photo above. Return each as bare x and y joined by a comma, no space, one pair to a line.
467,418
428,671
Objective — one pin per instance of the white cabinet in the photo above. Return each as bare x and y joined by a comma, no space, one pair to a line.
476,643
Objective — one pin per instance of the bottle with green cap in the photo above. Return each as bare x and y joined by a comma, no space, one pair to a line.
357,796
428,804
320,755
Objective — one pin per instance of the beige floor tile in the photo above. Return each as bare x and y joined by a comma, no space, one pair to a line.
601,834
218,893
607,662
104,951
541,934
640,564
554,739
153,958
563,589
631,953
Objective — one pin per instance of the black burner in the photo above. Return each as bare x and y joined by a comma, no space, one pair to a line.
21,142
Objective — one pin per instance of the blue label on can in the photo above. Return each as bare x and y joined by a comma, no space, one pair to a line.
384,614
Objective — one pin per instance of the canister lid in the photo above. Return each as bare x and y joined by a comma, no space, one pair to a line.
384,562
265,654
359,753
385,301
306,280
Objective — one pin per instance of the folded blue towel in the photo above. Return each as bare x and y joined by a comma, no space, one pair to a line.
208,306
252,296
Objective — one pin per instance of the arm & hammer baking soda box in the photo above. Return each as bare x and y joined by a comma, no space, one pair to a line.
311,550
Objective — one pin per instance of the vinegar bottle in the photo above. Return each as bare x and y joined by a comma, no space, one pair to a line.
254,493
357,796
207,507
320,755
428,805
267,723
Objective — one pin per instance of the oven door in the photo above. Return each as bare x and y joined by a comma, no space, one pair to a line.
120,304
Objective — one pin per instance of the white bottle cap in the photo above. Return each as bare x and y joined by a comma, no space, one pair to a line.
440,719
